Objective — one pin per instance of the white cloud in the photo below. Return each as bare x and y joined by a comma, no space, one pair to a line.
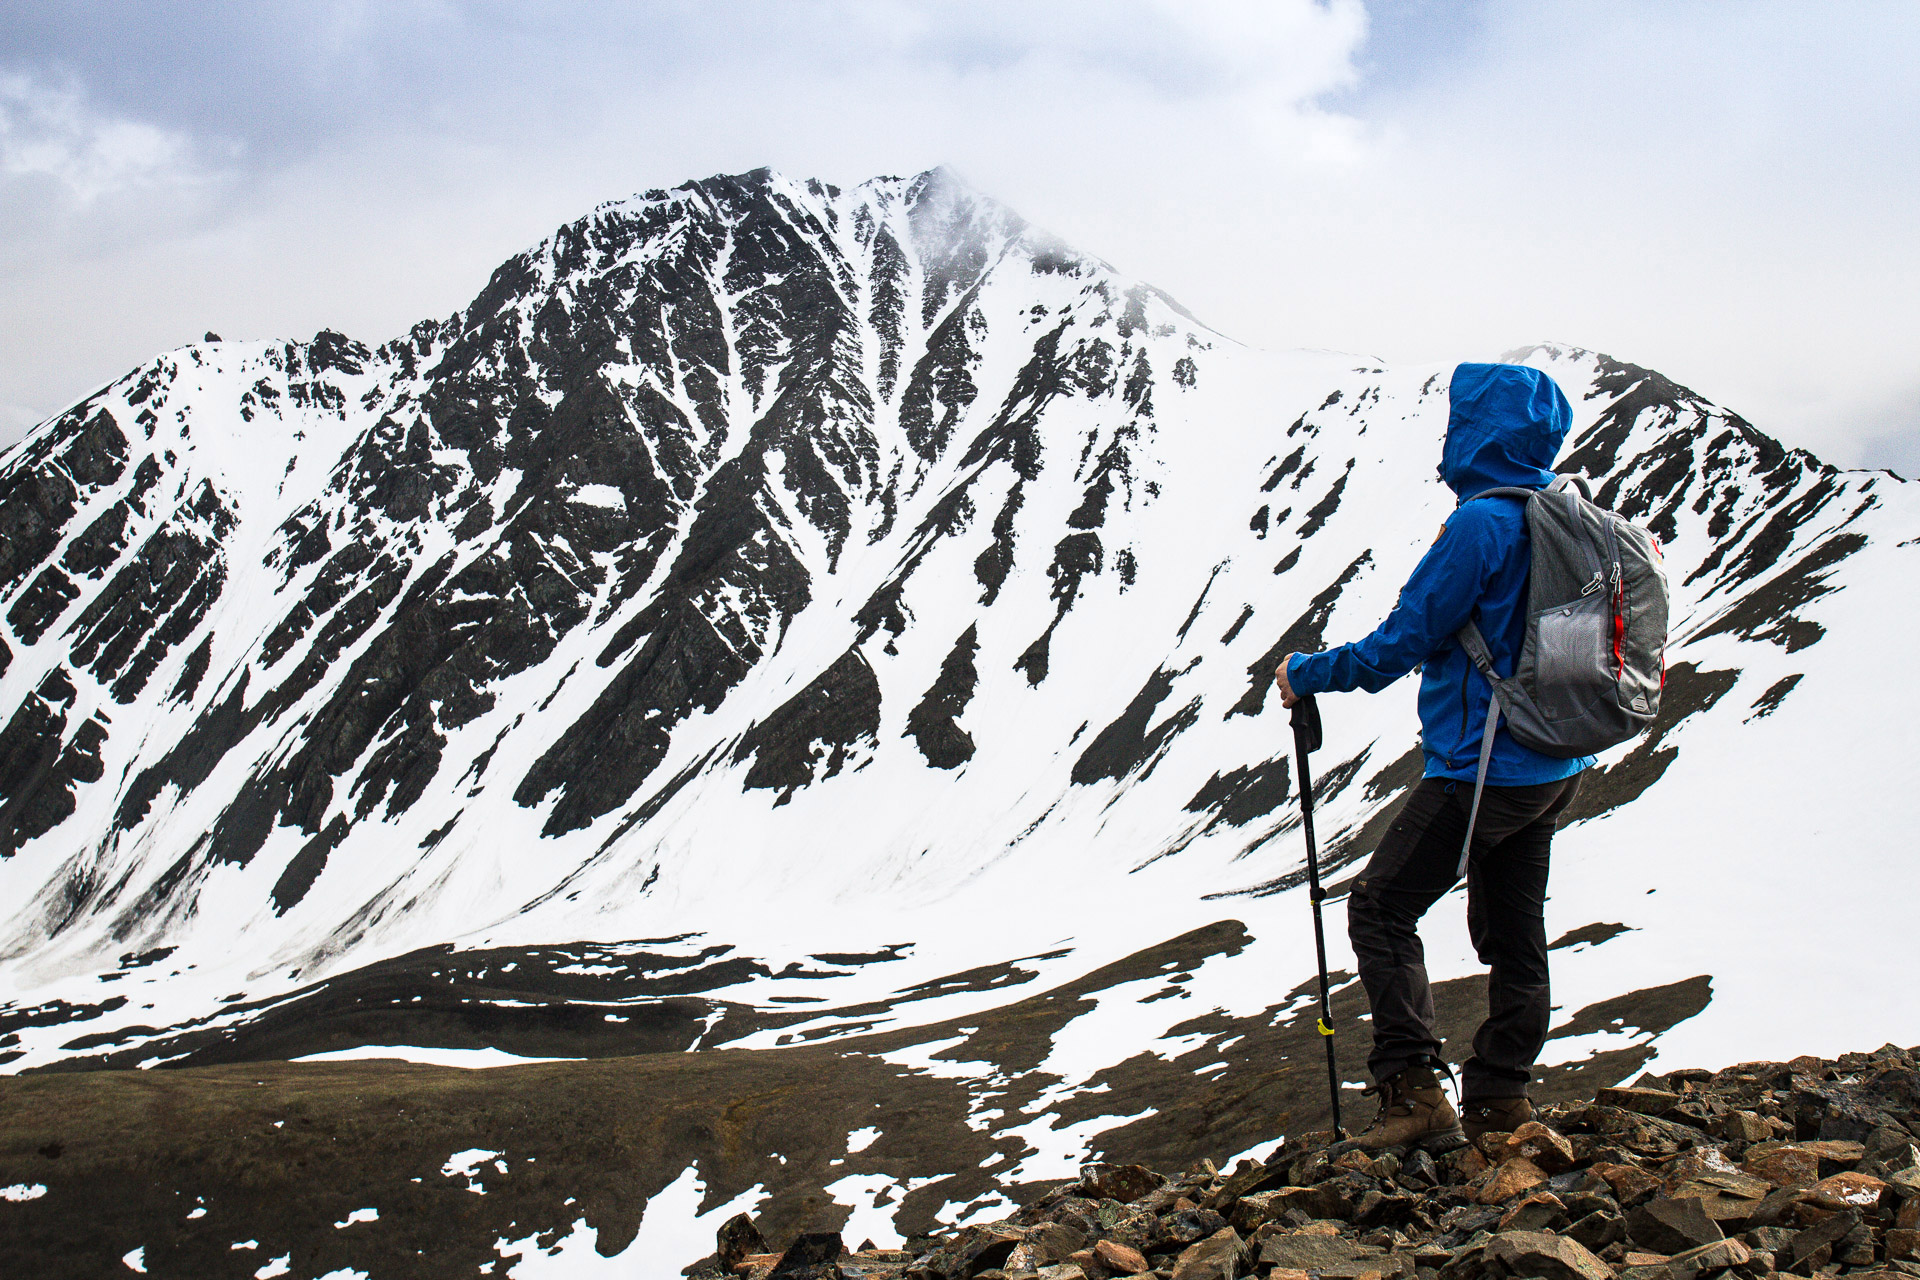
1724,194
52,132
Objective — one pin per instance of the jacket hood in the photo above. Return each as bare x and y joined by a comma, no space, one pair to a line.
1505,428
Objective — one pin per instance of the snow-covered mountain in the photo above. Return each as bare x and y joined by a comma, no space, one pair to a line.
779,614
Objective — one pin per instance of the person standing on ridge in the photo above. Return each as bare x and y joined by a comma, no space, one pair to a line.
1505,427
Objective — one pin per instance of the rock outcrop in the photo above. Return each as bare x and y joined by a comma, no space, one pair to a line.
1807,1168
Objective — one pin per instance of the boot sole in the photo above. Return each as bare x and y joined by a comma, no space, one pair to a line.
1436,1144
1433,1144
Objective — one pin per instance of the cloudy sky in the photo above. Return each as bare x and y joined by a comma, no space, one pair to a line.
1728,192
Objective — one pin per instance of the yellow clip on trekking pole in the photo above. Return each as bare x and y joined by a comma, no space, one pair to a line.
1307,739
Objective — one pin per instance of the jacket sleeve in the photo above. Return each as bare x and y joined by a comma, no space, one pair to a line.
1436,602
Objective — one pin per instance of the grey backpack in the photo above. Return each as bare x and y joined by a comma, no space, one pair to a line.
1593,662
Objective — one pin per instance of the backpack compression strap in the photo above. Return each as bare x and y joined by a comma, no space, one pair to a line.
1476,646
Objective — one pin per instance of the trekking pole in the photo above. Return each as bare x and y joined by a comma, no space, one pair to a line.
1306,739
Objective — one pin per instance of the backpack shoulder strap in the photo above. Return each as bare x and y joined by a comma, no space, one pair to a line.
1476,646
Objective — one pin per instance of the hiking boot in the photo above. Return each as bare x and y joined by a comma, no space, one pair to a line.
1414,1112
1493,1115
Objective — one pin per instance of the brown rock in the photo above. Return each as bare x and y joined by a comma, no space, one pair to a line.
1629,1182
736,1239
756,1266
1044,1245
1903,1243
1120,1258
1551,1257
1513,1178
1541,1211
1646,1102
1671,1226
1463,1164
1119,1182
1545,1147
1288,1273
1304,1251
1784,1164
1709,1257
1354,1161
1062,1271
1742,1126
1909,1216
1221,1256
1250,1213
1846,1191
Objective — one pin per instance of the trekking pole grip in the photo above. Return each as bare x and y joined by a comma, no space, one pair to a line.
1306,724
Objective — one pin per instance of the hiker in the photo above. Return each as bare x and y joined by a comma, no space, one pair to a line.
1504,429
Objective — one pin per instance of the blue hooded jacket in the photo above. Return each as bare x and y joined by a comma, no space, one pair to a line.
1505,427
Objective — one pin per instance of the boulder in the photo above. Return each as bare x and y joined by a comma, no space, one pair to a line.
1546,1147
736,1238
1709,1257
1550,1257
1666,1225
1812,1248
1119,1182
1903,1244
1541,1211
1221,1256
1846,1191
1312,1252
1516,1177
1119,1258
1598,1229
1630,1184
1046,1244
812,1256
1646,1102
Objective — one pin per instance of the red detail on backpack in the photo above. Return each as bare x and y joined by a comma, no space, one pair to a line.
1620,631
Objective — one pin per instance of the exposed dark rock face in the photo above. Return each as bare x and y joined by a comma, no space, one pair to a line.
934,721
818,727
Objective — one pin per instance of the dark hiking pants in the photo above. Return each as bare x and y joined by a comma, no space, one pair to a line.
1506,895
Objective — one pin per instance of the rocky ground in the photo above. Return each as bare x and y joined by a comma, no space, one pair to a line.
1808,1168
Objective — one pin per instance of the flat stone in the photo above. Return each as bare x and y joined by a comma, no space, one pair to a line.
1846,1191
1221,1256
1784,1164
1541,1211
1710,1257
1516,1177
1646,1102
1546,1147
1550,1257
1742,1126
1629,1182
1124,1259
1119,1182
1048,1243
1815,1245
1903,1244
1312,1252
1597,1230
1062,1271
1909,1216
1670,1226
